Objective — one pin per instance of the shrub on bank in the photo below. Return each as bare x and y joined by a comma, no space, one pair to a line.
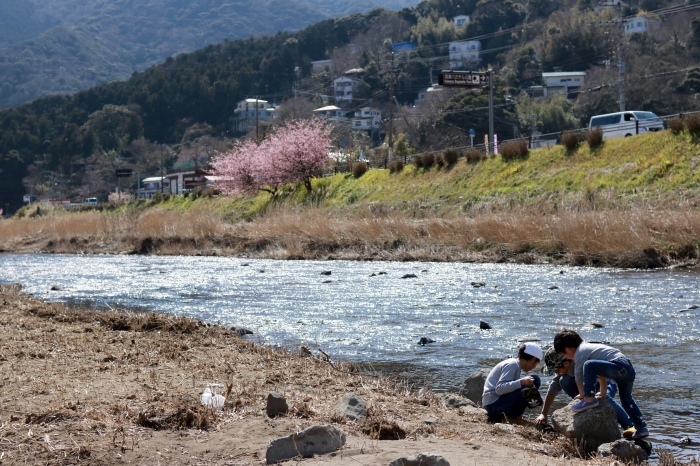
675,125
473,155
359,169
439,160
570,139
512,150
395,166
594,137
450,156
428,160
692,123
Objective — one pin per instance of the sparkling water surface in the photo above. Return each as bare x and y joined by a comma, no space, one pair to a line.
367,312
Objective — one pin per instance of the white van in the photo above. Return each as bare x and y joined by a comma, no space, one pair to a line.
91,201
623,124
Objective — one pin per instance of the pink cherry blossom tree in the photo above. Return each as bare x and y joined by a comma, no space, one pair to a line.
236,169
296,152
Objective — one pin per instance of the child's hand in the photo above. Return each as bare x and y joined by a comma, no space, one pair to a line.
527,382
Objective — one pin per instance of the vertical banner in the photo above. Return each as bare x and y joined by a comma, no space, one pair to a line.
495,144
486,142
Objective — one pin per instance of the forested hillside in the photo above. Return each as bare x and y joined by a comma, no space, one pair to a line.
66,145
64,46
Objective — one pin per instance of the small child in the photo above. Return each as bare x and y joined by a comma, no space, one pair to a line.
503,387
592,360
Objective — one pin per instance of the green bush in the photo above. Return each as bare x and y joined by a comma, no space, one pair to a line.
359,169
511,150
450,156
675,125
395,166
594,137
473,155
570,139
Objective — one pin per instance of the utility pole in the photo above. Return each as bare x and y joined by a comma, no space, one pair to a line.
491,126
256,118
621,60
621,73
391,110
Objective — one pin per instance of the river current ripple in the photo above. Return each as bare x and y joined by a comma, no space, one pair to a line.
376,312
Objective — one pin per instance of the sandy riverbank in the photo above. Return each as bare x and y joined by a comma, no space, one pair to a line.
86,387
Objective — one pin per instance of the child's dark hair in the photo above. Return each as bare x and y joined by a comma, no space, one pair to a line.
523,355
566,339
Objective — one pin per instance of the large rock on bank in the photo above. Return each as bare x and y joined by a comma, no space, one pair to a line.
625,451
316,440
473,387
590,428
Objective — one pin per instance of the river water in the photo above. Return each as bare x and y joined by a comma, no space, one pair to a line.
369,312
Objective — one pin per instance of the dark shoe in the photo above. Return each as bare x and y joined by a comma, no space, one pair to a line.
641,433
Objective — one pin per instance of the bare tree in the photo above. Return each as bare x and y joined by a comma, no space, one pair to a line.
297,108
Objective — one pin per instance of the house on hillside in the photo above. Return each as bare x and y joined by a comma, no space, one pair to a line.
423,95
250,112
461,20
345,87
330,113
464,54
562,82
603,5
641,24
151,186
367,118
318,66
404,47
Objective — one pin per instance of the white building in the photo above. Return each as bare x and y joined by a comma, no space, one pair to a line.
603,5
367,118
641,24
319,65
151,186
331,113
423,95
563,82
344,88
461,20
464,54
249,112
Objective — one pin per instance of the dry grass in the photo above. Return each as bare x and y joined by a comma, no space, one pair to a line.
572,232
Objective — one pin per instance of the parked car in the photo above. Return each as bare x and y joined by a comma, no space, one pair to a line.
91,201
629,123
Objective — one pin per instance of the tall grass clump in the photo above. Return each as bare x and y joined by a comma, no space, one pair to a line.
512,150
675,125
594,137
359,169
570,139
450,156
395,166
473,155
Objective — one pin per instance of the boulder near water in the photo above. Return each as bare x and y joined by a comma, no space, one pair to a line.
590,428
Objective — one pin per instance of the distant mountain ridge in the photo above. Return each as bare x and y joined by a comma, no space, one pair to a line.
63,46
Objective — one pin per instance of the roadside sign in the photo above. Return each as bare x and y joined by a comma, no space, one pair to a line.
123,172
463,78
